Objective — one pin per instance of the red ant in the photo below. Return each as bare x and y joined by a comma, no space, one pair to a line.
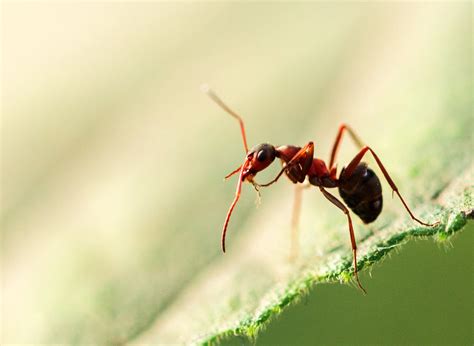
358,185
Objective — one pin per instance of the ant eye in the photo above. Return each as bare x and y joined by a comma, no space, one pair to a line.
262,155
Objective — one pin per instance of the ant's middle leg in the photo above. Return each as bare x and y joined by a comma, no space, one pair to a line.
344,209
356,160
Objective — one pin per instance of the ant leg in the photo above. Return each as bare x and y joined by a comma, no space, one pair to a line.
295,220
341,206
356,160
275,179
304,157
337,142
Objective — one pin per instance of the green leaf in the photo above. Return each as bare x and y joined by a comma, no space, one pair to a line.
112,161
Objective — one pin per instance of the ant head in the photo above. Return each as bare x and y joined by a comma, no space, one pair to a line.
258,158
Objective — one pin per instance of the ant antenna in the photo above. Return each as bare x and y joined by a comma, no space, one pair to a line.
234,202
237,170
207,90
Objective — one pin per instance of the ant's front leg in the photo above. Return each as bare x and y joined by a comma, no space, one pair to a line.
297,166
295,221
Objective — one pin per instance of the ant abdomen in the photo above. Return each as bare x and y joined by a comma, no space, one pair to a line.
362,192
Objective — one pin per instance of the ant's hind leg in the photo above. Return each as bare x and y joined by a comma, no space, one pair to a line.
353,165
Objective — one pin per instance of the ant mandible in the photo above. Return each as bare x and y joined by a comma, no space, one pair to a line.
358,185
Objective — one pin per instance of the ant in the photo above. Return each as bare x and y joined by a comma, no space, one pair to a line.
358,185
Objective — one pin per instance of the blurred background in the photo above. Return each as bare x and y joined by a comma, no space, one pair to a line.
112,159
